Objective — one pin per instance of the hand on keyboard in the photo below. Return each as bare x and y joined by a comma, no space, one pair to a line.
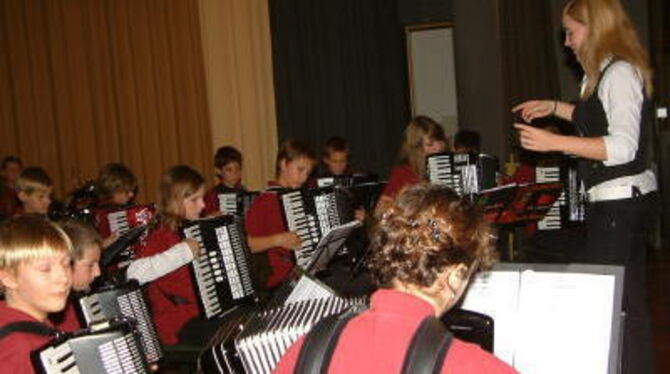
288,240
194,246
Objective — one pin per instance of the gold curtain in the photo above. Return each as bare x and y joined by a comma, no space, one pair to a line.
238,64
84,83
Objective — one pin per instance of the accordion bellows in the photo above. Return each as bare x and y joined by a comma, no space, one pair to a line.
255,344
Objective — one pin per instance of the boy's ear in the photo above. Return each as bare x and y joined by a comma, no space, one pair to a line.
23,196
8,279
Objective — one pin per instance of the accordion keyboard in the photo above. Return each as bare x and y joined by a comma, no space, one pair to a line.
552,220
112,350
222,272
123,301
303,224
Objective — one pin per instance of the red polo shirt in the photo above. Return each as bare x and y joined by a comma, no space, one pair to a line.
401,176
66,320
377,340
15,348
172,297
264,218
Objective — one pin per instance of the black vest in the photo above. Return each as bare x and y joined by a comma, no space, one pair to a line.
591,121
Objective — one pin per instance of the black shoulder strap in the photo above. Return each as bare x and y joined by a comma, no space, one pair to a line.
319,344
429,346
29,327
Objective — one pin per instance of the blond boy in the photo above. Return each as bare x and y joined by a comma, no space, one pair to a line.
35,275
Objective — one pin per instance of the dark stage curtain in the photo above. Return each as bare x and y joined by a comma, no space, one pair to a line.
659,12
528,58
339,69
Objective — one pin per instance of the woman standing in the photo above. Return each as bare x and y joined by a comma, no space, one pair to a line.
613,118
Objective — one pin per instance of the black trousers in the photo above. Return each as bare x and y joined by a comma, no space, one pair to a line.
616,234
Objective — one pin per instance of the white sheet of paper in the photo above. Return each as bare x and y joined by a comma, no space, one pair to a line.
566,321
495,293
547,322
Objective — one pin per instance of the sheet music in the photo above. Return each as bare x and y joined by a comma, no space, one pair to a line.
548,322
307,289
564,315
496,294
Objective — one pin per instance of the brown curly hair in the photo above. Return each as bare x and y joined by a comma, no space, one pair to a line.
427,229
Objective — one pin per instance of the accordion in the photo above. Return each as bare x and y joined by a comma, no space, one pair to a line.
236,203
569,209
311,213
111,301
465,173
111,347
255,344
222,272
122,220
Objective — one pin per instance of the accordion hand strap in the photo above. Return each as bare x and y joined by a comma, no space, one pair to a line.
319,345
29,327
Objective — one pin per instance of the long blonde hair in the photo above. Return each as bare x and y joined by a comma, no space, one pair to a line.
178,183
411,151
610,33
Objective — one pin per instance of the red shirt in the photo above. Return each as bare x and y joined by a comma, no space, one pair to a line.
15,348
264,218
66,320
172,297
401,176
377,340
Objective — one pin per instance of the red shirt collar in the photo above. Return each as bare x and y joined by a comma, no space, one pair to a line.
9,314
398,302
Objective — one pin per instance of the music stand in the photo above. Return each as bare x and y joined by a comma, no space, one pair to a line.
124,241
531,202
328,246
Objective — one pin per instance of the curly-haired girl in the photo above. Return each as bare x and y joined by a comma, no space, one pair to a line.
425,248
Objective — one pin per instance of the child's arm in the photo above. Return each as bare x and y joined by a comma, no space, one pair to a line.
150,268
287,239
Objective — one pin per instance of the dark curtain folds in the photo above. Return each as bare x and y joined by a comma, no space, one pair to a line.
84,83
339,69
529,67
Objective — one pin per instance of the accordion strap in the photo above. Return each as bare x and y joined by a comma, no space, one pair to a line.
319,345
429,346
29,327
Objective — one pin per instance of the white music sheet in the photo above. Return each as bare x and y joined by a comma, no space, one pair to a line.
548,322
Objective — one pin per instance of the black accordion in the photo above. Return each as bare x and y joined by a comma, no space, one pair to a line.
111,347
465,173
570,208
311,213
128,220
222,272
363,189
255,344
236,203
127,300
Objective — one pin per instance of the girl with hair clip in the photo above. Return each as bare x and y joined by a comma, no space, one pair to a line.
613,117
423,136
424,251
172,296
266,233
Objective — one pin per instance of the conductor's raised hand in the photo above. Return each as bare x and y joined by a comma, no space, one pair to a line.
535,139
532,109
